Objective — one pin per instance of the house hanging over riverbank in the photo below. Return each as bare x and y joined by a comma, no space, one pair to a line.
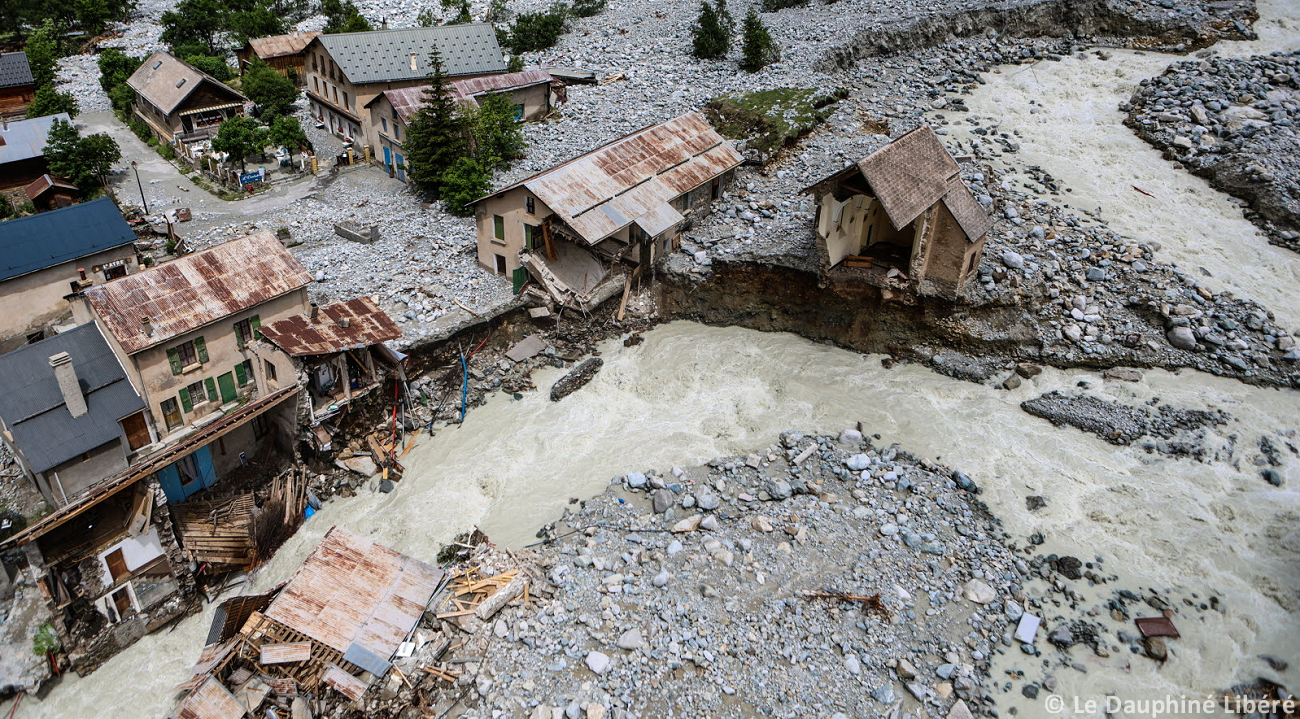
902,220
624,203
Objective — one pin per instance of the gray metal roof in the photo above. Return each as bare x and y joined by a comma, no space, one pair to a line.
25,139
386,55
31,402
15,70
46,239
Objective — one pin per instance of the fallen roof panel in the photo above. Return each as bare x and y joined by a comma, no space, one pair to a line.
367,325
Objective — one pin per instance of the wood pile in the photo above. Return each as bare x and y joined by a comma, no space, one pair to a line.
217,531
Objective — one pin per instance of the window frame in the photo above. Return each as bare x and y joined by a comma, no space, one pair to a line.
175,409
499,228
530,205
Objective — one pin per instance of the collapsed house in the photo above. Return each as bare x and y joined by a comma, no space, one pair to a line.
624,203
337,353
332,631
901,220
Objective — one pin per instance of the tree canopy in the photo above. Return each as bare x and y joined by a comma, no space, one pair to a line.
343,16
286,130
710,38
84,161
533,31
241,138
48,101
759,49
274,92
435,138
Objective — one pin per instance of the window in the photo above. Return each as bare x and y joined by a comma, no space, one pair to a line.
519,113
197,394
347,102
395,118
530,205
188,469
384,121
315,85
530,235
500,264
261,427
182,82
171,412
397,132
246,331
115,271
499,227
270,371
244,372
187,354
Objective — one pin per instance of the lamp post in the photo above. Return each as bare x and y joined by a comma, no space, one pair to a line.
140,185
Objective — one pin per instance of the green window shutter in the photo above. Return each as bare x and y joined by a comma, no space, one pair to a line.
240,377
211,384
528,237
255,321
174,359
499,227
201,349
185,399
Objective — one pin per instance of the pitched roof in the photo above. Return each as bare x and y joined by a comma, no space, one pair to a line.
366,325
25,139
32,406
403,54
351,592
406,101
210,701
15,70
46,239
197,289
43,183
912,174
281,45
166,81
632,179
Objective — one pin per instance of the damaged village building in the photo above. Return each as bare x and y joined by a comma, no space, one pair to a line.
901,220
625,202
164,432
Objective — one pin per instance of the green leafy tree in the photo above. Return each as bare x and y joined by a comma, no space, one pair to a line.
498,138
115,67
516,64
436,136
122,96
466,180
213,66
241,138
93,15
195,22
44,48
274,92
287,131
82,160
259,21
343,16
48,101
759,49
709,37
533,31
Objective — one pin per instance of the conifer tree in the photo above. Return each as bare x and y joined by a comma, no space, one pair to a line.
710,37
759,49
436,138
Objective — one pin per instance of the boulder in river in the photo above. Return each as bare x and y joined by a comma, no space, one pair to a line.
576,378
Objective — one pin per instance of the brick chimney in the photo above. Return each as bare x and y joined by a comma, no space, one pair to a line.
147,326
66,374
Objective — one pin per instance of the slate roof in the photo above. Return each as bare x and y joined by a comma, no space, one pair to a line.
300,336
385,55
46,239
408,100
166,81
632,179
192,291
31,402
25,139
15,70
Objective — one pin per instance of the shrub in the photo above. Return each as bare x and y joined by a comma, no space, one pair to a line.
46,640
774,5
536,30
587,8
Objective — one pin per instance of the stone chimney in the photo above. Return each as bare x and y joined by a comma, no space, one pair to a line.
345,322
66,374
314,311
147,326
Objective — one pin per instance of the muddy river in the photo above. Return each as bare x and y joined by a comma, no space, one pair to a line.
691,392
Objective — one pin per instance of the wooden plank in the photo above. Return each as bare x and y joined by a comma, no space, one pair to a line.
346,684
285,653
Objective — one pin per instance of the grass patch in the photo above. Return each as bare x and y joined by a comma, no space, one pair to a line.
772,119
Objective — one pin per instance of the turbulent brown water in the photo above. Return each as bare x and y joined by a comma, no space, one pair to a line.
691,392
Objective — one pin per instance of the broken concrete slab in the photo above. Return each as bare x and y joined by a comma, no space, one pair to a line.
362,465
1028,628
526,348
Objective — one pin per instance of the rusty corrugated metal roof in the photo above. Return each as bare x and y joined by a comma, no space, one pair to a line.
351,590
210,701
196,289
633,177
367,325
408,100
285,653
45,182
281,45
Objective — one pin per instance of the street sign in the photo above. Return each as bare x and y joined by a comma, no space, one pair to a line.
252,177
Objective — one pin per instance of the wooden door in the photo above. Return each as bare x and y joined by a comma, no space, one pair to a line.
137,431
226,383
116,565
122,602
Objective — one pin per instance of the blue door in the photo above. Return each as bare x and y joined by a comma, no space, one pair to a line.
190,474
401,169
388,159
